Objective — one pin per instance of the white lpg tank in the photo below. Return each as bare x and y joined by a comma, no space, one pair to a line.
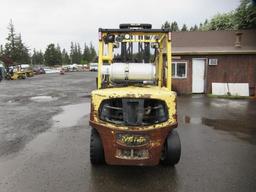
119,72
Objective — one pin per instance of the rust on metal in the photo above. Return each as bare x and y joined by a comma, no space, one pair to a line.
111,145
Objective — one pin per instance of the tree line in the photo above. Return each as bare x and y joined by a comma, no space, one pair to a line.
243,17
14,49
53,55
16,52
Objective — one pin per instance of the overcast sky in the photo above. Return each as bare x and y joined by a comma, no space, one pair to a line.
41,22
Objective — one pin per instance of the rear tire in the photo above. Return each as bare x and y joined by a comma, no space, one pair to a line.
96,149
23,76
172,149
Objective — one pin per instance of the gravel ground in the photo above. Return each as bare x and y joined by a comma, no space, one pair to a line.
44,142
25,111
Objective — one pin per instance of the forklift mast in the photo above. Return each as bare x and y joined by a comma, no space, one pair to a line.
140,37
127,52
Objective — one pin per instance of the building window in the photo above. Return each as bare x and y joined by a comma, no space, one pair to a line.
179,70
213,61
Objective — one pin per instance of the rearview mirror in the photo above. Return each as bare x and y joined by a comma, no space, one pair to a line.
109,38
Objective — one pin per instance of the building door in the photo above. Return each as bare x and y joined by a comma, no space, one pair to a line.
198,70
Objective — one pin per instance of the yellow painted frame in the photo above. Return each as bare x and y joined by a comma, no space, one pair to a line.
164,44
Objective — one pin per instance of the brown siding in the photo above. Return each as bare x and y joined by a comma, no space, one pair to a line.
230,68
183,86
233,69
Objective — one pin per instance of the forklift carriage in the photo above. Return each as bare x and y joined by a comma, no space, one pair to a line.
133,111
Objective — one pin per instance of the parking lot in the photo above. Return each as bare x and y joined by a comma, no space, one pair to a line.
44,142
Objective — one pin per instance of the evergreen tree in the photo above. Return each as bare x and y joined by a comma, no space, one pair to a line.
75,53
93,53
174,26
10,48
195,28
166,25
65,57
37,57
184,28
15,48
200,27
72,52
41,57
34,57
22,51
58,52
52,56
79,54
86,54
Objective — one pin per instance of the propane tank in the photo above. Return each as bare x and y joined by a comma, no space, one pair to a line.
120,72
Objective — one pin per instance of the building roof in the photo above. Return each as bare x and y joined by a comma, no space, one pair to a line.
213,42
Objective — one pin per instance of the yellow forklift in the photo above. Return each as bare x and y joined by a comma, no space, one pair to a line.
28,71
14,72
133,111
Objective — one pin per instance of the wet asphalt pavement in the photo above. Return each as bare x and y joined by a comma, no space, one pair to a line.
44,142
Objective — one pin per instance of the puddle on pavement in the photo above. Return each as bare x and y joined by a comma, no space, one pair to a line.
241,126
231,104
242,129
43,98
71,115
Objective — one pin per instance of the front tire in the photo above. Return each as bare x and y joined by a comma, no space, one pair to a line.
172,149
96,149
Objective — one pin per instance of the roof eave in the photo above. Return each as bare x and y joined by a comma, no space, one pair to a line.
245,52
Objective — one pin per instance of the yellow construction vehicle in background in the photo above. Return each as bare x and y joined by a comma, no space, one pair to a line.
133,111
15,72
29,72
